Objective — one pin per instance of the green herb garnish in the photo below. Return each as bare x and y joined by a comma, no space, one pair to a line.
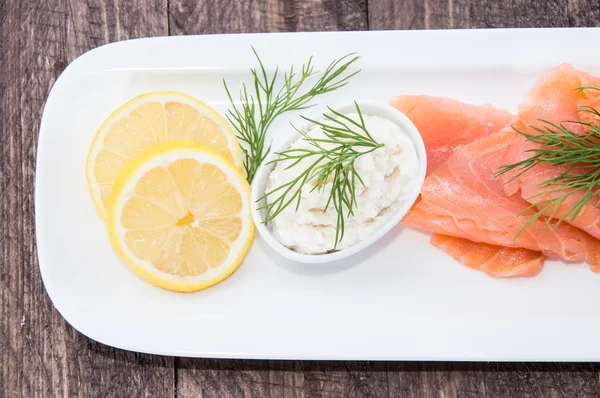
264,103
561,146
332,161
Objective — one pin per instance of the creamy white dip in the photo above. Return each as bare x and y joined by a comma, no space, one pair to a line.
389,174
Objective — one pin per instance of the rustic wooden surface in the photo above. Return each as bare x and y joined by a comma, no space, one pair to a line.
42,356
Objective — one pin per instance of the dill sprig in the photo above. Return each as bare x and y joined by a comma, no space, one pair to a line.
261,104
578,153
332,162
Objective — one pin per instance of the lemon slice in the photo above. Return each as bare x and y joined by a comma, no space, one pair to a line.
147,120
179,216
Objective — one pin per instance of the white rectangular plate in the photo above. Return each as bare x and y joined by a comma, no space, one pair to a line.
402,299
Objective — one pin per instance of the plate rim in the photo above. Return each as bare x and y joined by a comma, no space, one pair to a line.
71,71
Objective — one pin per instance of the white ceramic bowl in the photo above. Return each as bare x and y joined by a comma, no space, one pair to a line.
261,178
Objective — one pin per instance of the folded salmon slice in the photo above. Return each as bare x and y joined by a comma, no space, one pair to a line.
464,199
493,260
446,124
554,98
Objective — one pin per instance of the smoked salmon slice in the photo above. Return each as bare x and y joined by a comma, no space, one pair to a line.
554,98
446,124
463,198
493,260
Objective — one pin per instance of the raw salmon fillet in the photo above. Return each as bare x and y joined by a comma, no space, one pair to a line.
554,98
464,199
493,260
446,124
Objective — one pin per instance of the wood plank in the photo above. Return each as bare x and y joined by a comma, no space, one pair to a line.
40,354
493,380
93,23
11,275
227,378
216,16
445,14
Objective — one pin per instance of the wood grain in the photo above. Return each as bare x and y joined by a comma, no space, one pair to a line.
493,380
218,378
215,16
41,355
447,14
11,271
92,23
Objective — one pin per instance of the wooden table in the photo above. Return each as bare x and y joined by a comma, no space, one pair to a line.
41,355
